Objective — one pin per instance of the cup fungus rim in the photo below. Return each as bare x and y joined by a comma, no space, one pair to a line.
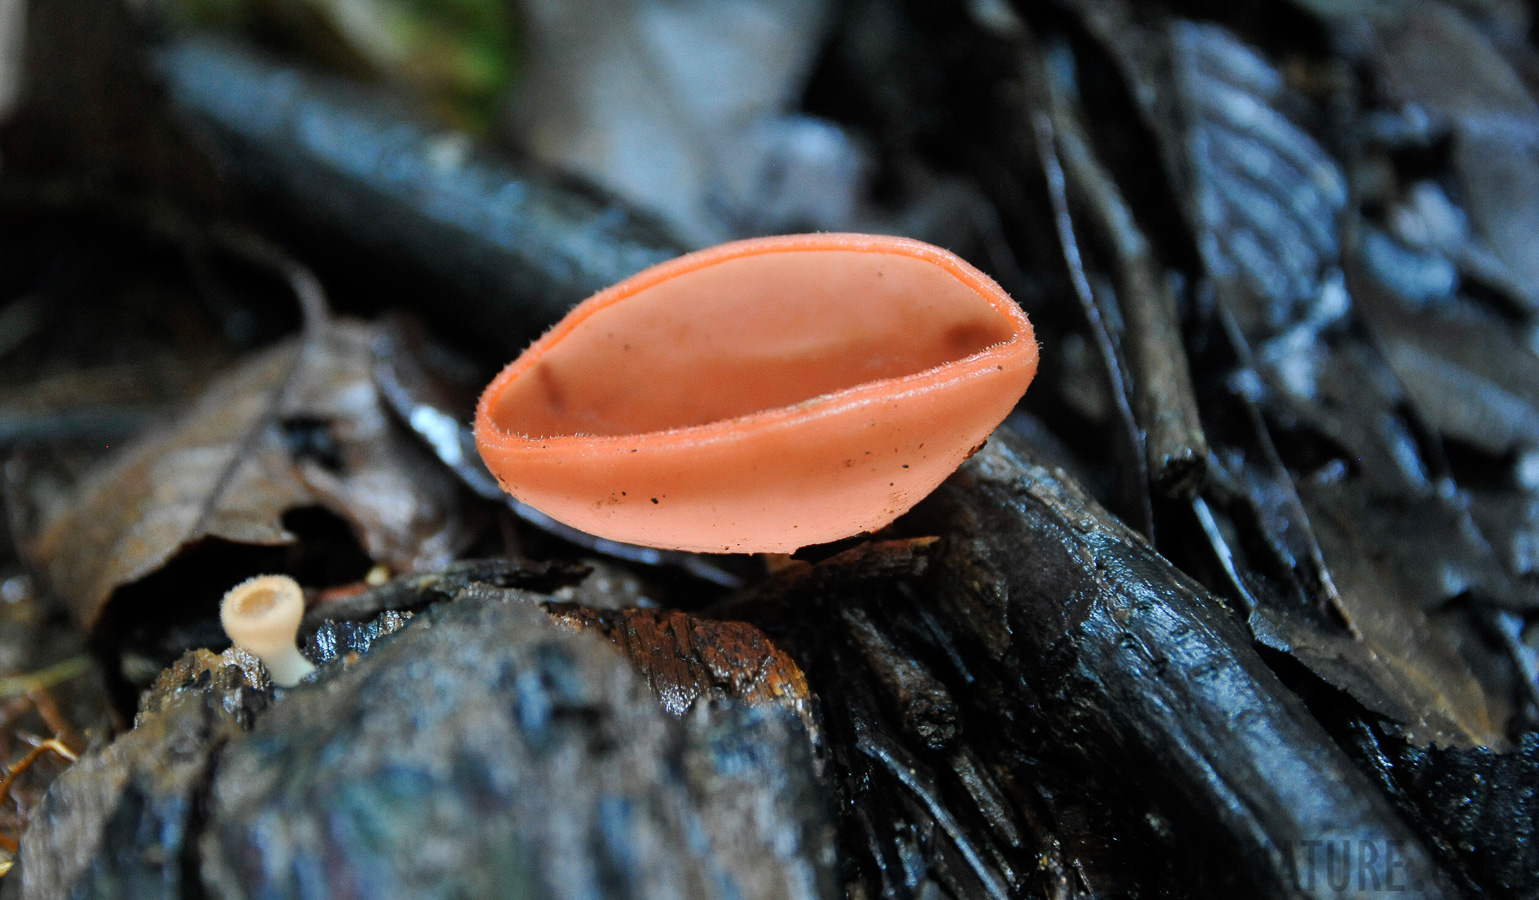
830,403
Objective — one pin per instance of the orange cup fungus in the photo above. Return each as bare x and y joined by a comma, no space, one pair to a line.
761,395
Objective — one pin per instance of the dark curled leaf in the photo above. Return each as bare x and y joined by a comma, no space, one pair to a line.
252,448
1429,550
1510,521
1130,662
1395,660
1342,570
1266,195
1339,389
1327,384
1336,387
1466,372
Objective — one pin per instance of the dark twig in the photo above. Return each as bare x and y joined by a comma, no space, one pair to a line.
1316,575
1133,467
51,745
1165,402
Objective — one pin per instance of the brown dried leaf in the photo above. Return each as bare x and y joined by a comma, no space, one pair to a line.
1438,62
1469,376
261,441
1399,663
685,659
1436,57
1266,195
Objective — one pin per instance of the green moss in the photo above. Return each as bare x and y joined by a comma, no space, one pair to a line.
459,56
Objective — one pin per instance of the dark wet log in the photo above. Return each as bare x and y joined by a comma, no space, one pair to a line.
472,746
1073,621
508,250
414,592
1479,804
483,750
116,824
779,595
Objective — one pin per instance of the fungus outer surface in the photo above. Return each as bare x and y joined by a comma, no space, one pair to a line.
262,615
761,395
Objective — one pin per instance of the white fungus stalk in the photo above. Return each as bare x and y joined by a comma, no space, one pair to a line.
261,615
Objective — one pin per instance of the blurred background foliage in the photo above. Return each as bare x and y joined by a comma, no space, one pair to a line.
457,57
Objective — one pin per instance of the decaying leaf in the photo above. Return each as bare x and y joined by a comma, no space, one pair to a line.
1469,379
686,660
1435,59
1353,536
1397,661
1510,521
1341,390
298,426
1266,195
1345,581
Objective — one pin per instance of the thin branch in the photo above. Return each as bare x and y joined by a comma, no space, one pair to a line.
1133,471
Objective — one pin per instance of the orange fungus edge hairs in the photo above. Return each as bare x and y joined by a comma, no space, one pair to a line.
712,403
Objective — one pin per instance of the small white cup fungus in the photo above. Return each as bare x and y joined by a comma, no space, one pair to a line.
261,615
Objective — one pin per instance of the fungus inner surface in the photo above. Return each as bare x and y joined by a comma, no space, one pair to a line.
256,602
748,334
